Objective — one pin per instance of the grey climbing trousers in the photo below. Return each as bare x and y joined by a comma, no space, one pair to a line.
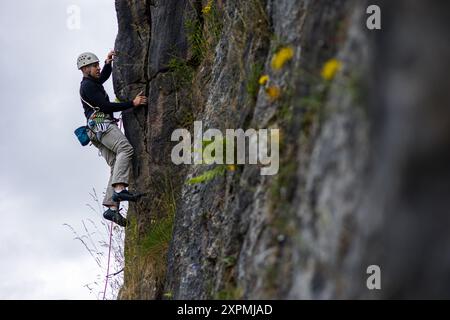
117,151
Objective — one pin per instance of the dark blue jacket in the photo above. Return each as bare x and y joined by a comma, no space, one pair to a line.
93,92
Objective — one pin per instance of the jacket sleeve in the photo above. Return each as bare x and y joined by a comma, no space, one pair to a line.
106,72
99,100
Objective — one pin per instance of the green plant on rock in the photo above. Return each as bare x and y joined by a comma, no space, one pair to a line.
168,295
230,293
252,87
219,169
196,39
212,23
229,261
146,252
204,32
157,239
182,71
208,175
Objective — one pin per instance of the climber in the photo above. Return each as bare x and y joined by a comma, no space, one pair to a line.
104,132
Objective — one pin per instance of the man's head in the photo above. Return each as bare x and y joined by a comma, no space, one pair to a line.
88,63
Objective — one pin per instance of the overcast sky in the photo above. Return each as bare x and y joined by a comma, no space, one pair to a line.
45,175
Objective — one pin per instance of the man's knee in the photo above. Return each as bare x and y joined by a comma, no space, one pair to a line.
130,151
127,150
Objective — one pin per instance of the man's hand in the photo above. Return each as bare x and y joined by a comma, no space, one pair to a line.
110,57
140,99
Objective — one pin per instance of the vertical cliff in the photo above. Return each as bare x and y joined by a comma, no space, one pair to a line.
364,152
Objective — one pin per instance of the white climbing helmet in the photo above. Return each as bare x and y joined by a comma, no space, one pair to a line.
85,59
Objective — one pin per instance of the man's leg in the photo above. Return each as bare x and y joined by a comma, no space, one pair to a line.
110,158
116,142
112,213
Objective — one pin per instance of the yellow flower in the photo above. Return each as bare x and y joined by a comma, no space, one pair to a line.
330,69
207,8
231,167
273,92
263,80
281,57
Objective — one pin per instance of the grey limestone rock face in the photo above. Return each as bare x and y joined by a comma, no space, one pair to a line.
364,157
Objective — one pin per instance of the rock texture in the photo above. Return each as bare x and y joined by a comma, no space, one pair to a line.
364,176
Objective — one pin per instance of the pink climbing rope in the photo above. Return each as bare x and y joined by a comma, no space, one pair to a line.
109,259
110,241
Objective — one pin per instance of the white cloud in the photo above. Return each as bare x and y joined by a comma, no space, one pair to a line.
45,175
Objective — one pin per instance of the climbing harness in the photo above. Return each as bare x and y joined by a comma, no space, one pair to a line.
98,122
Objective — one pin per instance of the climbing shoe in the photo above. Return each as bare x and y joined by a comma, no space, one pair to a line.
125,195
115,216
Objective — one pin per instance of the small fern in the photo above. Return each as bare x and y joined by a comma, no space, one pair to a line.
208,175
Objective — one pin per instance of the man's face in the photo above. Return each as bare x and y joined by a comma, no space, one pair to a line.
92,70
